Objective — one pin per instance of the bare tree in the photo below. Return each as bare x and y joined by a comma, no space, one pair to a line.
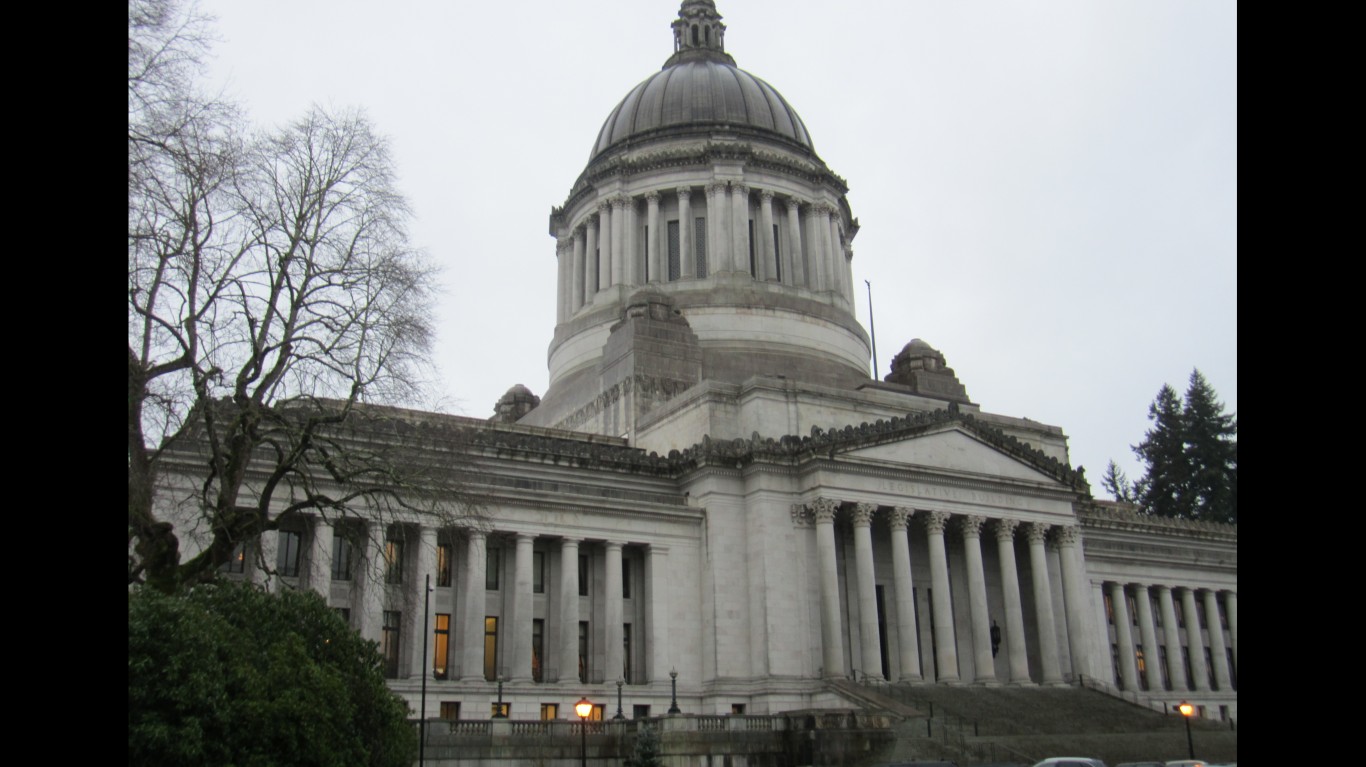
272,296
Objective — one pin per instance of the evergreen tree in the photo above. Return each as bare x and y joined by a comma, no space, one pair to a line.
1165,487
646,749
1211,447
1117,484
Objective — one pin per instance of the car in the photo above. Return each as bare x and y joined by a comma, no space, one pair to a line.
1070,761
1142,764
1188,763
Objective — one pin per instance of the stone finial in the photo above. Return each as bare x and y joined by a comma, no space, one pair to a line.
515,403
921,367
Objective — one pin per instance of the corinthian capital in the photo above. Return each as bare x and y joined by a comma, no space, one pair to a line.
899,516
971,525
794,204
824,508
683,193
715,188
935,521
739,189
1067,535
604,207
1005,529
652,197
1036,532
622,201
863,514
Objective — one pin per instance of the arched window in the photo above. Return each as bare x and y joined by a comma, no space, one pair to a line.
694,35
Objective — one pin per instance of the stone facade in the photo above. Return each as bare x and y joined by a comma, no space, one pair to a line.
714,486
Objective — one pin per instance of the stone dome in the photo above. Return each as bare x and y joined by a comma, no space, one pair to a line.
698,96
700,89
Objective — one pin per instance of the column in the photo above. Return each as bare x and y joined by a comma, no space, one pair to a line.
984,663
564,277
829,278
569,611
1194,646
946,654
765,261
739,226
612,614
423,638
577,290
472,630
1043,603
1105,665
621,254
1176,669
266,560
591,263
793,268
1119,605
606,241
518,627
657,607
657,271
717,232
1216,641
824,510
320,557
1147,632
871,653
908,648
370,580
837,259
816,245
1010,586
1074,599
687,266
1231,608
633,261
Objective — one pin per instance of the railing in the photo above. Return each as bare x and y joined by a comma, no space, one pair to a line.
565,728
465,726
1135,697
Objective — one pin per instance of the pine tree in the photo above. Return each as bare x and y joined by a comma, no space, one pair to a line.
1211,447
1117,484
1165,488
646,749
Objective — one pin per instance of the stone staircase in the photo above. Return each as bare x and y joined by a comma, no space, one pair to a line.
973,725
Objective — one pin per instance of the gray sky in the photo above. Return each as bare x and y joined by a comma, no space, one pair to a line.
1047,191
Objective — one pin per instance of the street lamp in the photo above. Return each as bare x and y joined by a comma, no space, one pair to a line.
673,683
499,713
619,715
583,708
1187,711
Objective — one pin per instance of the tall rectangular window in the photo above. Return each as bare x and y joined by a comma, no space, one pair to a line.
490,648
237,561
550,711
393,561
1133,607
537,650
345,613
699,245
494,566
626,652
597,270
777,257
1156,609
1142,667
1109,609
443,564
389,643
538,572
583,652
341,556
752,272
644,254
1163,668
625,578
442,645
450,709
583,575
287,555
675,252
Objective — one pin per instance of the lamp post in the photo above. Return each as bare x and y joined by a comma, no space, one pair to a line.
1187,711
871,328
619,715
583,708
499,713
422,724
673,683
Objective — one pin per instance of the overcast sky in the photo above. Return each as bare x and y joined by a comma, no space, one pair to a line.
1047,191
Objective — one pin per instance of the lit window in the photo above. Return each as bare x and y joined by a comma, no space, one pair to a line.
287,561
236,563
442,645
393,561
550,711
443,564
490,648
389,643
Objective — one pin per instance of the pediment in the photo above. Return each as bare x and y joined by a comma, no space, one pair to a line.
955,450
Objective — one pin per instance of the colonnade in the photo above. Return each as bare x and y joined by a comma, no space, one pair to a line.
564,606
607,248
868,659
1187,669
